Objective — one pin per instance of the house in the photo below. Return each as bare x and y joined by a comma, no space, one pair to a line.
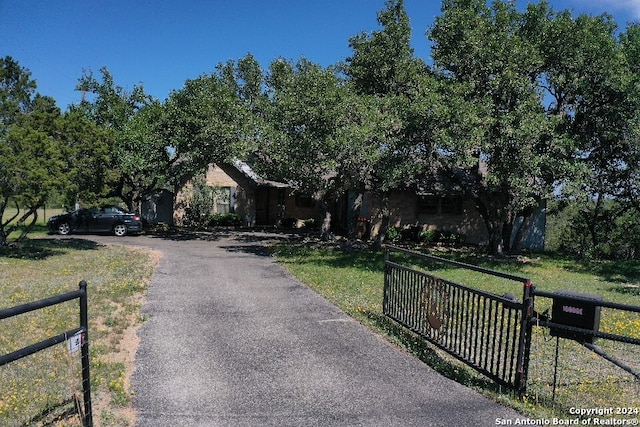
157,207
436,204
453,213
258,201
440,205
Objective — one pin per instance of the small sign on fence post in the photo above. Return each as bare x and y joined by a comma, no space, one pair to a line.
74,343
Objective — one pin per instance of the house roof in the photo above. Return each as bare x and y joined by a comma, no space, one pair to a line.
440,184
246,170
455,182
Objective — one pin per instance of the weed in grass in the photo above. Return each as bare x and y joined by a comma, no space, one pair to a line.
119,393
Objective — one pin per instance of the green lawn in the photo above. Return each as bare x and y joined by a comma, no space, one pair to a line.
40,227
37,389
353,280
43,214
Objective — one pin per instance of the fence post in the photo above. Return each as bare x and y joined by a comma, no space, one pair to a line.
524,344
86,379
385,294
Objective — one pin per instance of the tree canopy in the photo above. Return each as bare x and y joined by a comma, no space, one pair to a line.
209,120
16,91
545,101
519,107
31,154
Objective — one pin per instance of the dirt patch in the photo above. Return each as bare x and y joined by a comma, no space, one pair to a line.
123,351
128,343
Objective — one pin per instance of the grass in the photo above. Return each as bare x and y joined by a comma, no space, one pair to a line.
43,214
353,280
37,390
39,228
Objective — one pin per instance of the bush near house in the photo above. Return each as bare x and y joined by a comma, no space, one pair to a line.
415,233
225,220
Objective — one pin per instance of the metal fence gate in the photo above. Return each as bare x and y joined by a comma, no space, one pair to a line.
486,331
81,332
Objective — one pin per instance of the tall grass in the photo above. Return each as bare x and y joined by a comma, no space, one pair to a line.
353,280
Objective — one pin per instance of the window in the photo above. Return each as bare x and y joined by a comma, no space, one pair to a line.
428,205
223,200
434,205
303,201
451,205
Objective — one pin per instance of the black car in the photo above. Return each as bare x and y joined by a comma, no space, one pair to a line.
105,220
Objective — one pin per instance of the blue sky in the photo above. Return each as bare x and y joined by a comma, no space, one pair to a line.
162,43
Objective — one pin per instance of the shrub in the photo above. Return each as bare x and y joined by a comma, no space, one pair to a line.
394,234
411,233
198,206
225,220
450,237
428,236
576,230
444,237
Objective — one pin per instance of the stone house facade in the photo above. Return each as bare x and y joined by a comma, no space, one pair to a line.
436,206
451,212
446,211
258,201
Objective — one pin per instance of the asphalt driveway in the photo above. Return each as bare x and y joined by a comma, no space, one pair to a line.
233,340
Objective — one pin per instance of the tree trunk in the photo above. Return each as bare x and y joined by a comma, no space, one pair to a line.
521,234
494,226
525,227
325,227
495,239
507,231
593,224
29,227
33,211
353,213
4,232
384,224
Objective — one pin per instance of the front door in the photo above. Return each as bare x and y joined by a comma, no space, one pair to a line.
262,206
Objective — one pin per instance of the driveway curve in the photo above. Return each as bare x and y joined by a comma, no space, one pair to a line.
233,340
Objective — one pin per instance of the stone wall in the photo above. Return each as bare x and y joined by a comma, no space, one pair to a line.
403,206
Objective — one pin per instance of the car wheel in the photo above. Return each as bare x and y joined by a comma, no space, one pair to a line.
64,228
120,229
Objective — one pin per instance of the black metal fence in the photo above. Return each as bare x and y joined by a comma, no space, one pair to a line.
486,331
81,295
578,317
493,334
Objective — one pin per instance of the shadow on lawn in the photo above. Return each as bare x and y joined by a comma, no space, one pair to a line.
250,235
331,255
44,248
345,254
65,411
611,271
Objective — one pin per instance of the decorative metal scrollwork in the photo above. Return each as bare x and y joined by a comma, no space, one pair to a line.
435,299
